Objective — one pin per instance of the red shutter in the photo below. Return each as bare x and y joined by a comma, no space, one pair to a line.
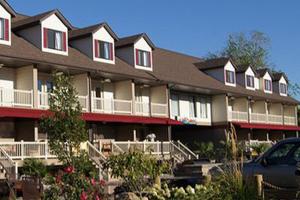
136,56
96,48
150,58
6,29
111,55
64,41
45,33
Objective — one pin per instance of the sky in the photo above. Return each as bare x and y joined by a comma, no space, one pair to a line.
194,27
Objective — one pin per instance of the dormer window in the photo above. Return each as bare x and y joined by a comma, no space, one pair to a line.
143,58
103,50
268,85
230,77
250,81
283,88
4,29
55,40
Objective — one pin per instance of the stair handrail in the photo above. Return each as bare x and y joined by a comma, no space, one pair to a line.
187,149
100,155
114,145
176,147
12,169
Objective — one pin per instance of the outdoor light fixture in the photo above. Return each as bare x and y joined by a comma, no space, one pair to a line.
1,65
106,80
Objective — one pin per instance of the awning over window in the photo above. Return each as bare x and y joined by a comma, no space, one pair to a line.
267,126
92,117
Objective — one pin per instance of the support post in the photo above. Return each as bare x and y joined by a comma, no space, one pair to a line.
22,150
46,149
259,186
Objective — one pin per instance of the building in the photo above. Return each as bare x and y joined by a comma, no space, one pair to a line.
129,88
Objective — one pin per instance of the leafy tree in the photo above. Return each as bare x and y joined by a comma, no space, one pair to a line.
251,49
65,128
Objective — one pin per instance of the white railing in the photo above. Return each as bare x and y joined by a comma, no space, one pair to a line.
84,102
43,100
274,119
288,120
191,154
258,118
238,116
10,167
142,108
98,158
16,98
21,150
112,106
160,110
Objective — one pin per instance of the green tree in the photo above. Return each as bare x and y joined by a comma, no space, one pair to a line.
65,128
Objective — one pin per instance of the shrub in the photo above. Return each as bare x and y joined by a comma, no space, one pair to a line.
34,167
205,150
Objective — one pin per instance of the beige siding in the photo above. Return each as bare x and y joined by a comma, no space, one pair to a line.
81,83
25,78
123,90
219,108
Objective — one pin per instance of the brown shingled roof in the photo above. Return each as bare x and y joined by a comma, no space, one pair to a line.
8,8
277,76
213,63
130,40
261,72
23,50
31,21
82,32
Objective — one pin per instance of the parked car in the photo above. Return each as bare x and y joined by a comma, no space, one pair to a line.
280,165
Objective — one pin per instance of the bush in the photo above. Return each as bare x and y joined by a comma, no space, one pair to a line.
34,167
137,170
205,150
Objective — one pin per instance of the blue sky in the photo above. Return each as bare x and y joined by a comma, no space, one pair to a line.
195,27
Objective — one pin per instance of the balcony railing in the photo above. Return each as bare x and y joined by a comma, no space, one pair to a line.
16,98
43,101
288,120
258,118
142,108
238,116
22,150
112,106
274,119
159,110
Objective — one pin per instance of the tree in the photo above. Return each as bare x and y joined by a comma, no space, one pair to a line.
251,50
66,131
65,128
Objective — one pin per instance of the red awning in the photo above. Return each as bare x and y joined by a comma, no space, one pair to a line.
92,117
267,126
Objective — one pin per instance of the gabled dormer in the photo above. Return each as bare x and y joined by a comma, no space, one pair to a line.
246,77
97,42
265,80
280,83
137,51
222,69
6,14
47,31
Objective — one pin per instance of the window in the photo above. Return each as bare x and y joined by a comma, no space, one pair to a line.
230,77
175,105
103,50
49,86
279,155
283,88
1,28
250,81
143,58
55,40
192,107
268,85
40,85
203,108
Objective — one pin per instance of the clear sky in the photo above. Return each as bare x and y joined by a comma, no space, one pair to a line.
195,27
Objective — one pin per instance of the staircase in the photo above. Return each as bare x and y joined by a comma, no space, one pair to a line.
9,168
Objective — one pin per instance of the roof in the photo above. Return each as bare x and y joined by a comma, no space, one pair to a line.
23,50
179,69
83,32
213,63
130,40
8,8
277,76
34,20
261,72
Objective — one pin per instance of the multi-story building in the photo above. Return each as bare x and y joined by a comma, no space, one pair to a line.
129,88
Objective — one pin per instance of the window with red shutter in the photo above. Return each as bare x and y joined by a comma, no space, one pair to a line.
143,58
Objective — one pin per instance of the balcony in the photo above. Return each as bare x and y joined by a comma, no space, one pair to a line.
288,120
43,101
16,98
237,116
159,110
274,119
142,108
111,106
